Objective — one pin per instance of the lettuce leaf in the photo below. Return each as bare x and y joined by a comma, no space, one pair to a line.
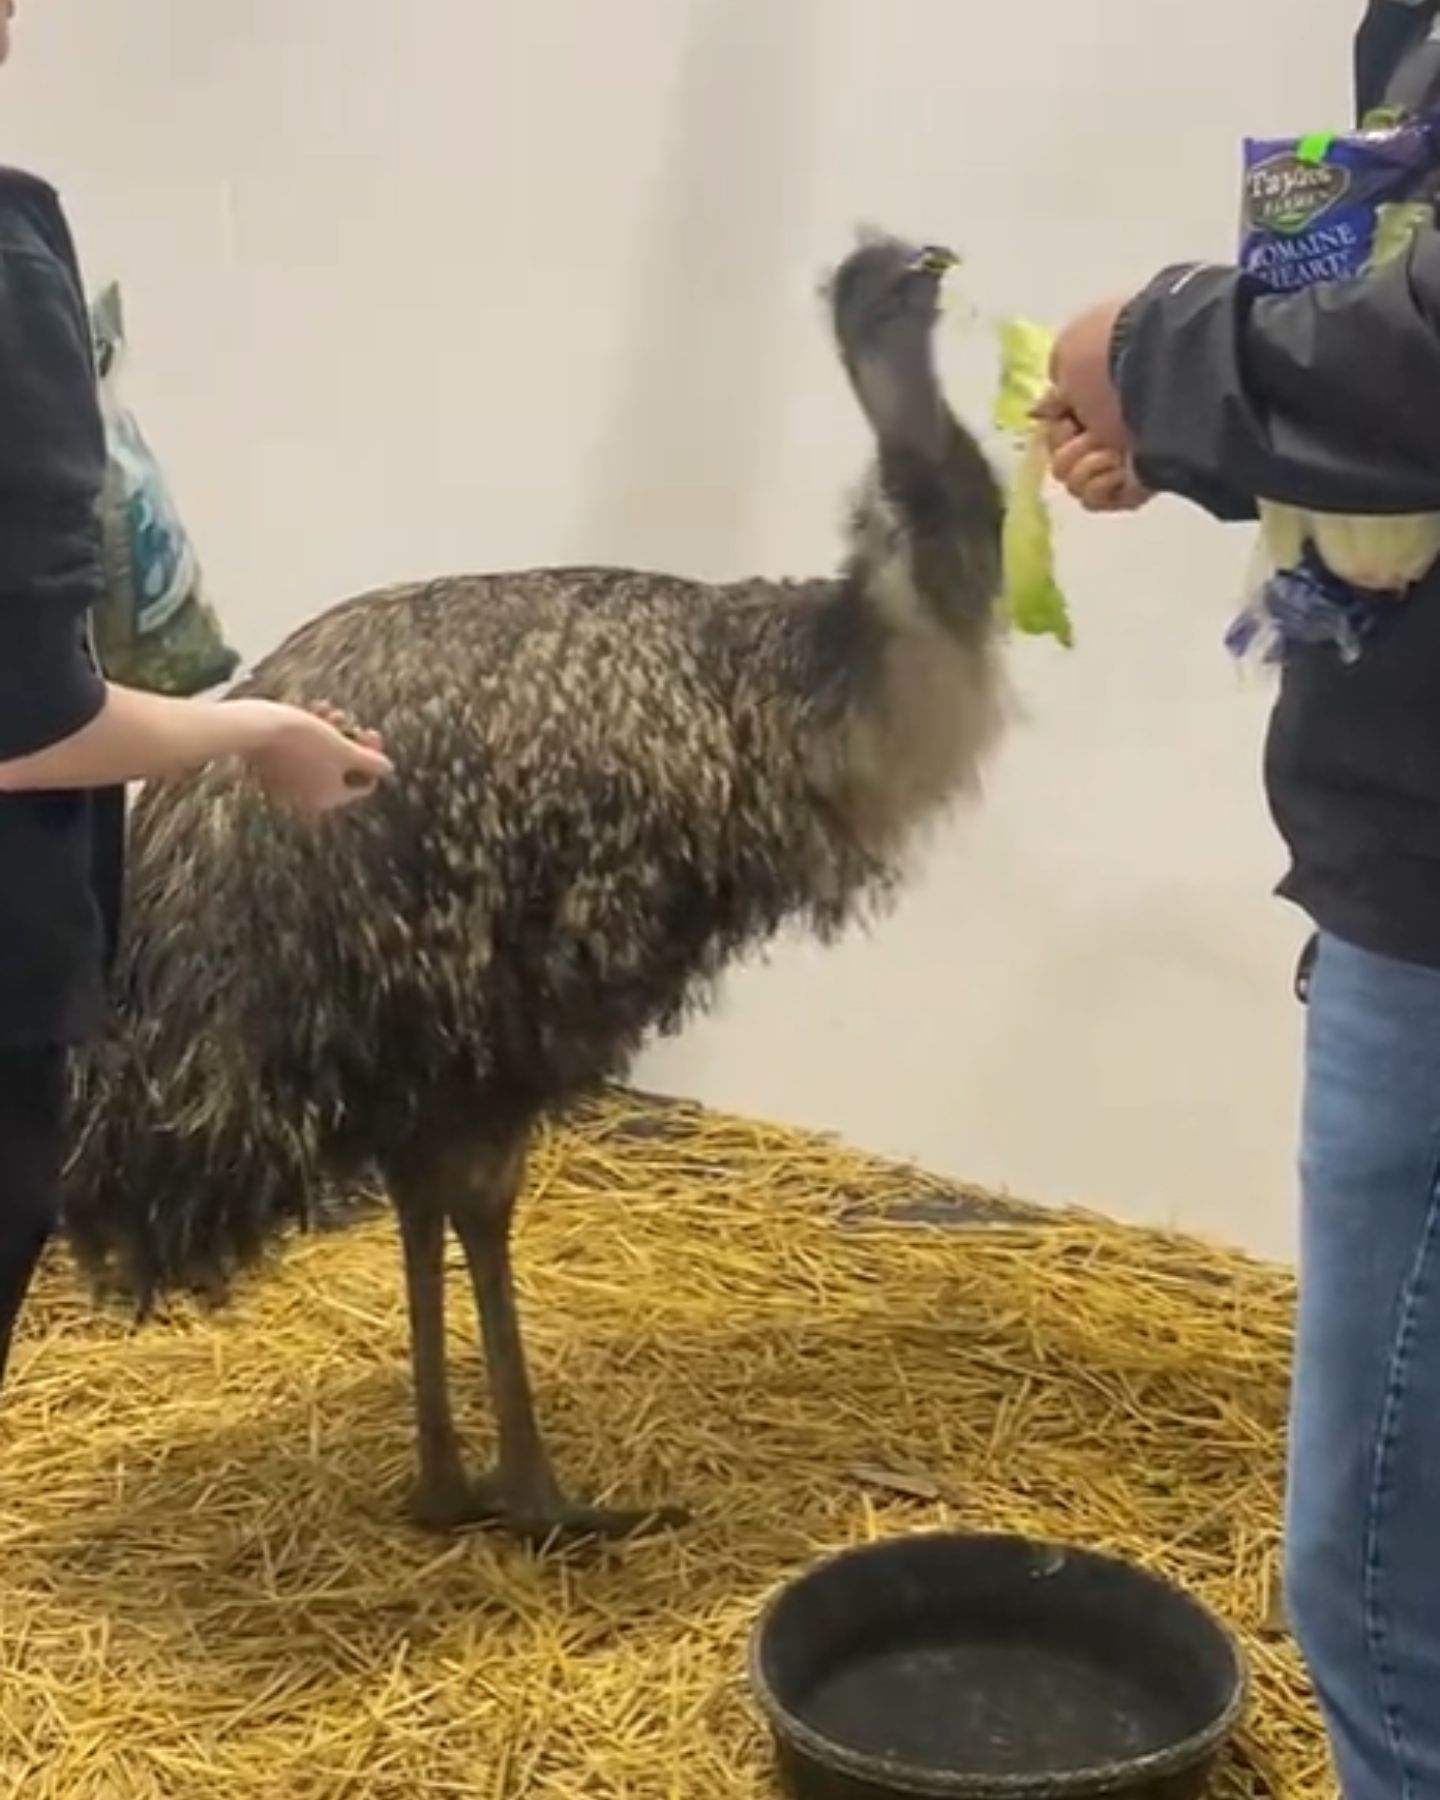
1024,375
1032,600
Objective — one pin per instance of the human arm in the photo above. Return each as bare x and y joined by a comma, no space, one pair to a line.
1327,399
301,757
61,725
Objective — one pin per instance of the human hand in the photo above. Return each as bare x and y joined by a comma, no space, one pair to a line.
313,759
1102,480
1080,375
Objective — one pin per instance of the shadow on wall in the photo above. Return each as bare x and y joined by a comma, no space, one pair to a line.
1111,1064
703,354
1190,1143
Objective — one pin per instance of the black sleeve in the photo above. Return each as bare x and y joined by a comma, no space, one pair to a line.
1327,399
50,687
52,465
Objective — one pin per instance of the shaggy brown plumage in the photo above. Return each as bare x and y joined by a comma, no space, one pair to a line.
611,784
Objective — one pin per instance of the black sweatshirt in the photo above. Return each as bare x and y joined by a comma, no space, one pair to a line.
1327,399
60,854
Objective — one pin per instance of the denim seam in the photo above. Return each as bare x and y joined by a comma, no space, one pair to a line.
1412,1297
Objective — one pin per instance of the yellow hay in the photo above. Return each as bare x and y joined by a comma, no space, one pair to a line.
207,1587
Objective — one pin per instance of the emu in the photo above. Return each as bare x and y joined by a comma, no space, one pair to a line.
612,784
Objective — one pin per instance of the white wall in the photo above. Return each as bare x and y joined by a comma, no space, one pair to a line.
416,288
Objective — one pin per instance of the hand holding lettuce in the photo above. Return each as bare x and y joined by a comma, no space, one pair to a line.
1324,208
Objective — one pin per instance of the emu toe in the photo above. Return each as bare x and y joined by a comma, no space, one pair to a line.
542,1521
573,1523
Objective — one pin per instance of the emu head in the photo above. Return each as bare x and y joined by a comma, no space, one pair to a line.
884,301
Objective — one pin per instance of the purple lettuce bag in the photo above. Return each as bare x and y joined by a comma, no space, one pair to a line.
1331,207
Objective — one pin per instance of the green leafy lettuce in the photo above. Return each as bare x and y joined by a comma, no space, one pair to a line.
1033,600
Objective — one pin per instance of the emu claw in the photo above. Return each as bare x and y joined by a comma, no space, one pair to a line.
573,1525
544,1523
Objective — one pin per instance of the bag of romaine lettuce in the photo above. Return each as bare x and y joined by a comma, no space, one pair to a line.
1330,207
153,627
1335,204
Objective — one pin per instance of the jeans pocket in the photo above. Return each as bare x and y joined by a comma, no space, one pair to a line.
1305,969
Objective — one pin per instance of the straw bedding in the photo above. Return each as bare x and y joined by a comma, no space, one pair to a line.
207,1587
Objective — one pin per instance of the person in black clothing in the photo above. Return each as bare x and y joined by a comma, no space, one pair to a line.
1329,399
69,742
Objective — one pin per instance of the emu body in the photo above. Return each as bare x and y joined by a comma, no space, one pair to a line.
611,784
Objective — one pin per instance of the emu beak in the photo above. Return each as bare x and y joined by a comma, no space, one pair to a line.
935,260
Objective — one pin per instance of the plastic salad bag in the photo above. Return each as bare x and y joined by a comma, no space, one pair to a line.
1331,207
153,627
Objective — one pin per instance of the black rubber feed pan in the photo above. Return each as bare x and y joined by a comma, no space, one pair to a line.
993,1668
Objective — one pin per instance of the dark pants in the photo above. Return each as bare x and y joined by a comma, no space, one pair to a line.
32,1151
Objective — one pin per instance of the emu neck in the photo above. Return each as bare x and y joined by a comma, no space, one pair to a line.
896,384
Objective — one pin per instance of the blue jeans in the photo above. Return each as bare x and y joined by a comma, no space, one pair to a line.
1362,1578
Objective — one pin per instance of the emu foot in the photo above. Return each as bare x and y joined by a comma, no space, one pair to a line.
545,1520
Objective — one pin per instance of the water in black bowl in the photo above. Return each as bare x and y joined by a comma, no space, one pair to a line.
977,1665
994,1707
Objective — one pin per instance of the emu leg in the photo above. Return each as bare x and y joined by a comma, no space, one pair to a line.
522,1495
441,1497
